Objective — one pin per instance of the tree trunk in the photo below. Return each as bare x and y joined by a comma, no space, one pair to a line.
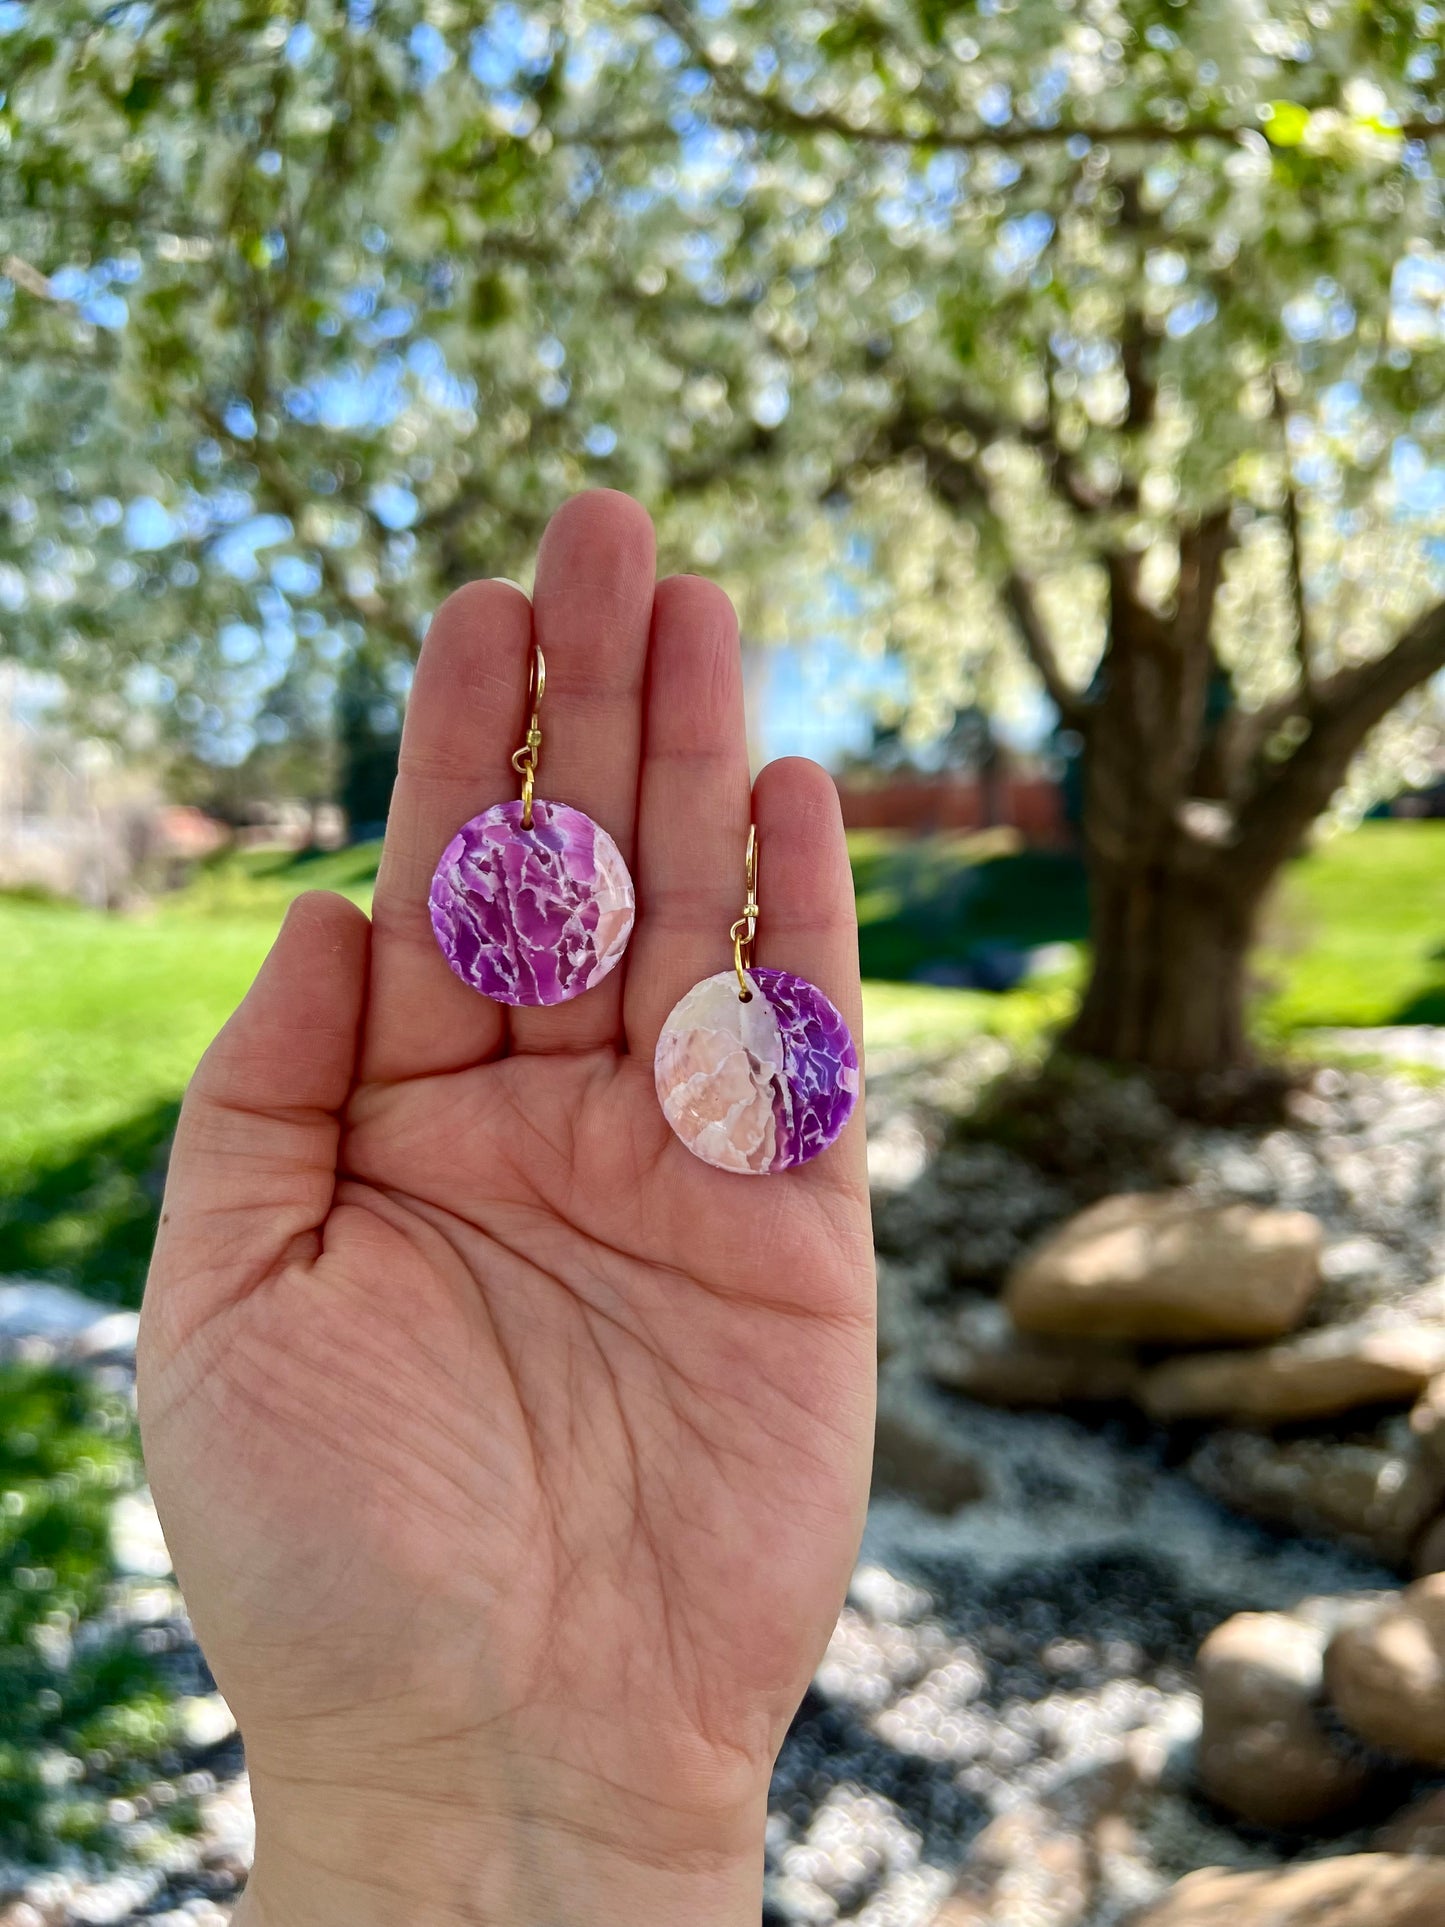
1192,805
1167,987
1171,918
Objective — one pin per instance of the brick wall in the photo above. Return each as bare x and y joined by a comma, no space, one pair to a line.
1032,805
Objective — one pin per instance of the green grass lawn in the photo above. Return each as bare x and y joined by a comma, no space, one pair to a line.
104,1019
105,1016
1356,934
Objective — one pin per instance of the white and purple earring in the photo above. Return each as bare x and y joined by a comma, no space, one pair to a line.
531,902
755,1069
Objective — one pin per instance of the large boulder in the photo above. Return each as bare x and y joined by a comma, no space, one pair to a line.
44,1324
1316,1375
917,1452
981,1354
1374,1493
1418,1829
1427,1420
1360,1890
1160,1266
1427,1429
1386,1676
1265,1752
1428,1554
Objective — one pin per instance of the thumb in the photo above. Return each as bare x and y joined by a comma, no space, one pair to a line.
254,1163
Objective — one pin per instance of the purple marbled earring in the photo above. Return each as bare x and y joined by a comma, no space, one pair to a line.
755,1069
531,902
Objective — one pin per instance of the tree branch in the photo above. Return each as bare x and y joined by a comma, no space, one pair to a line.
372,611
1304,653
1346,707
1203,546
909,433
961,483
1021,602
30,279
781,116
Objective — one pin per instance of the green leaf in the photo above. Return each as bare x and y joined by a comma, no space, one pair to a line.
1285,123
144,92
847,36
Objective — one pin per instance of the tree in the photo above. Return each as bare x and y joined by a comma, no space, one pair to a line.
305,323
1161,328
370,729
1098,337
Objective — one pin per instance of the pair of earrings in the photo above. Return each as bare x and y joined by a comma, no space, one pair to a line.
532,904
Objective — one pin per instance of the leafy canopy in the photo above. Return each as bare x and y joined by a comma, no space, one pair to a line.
309,314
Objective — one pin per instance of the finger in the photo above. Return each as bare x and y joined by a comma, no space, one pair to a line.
693,801
592,608
808,923
464,718
254,1163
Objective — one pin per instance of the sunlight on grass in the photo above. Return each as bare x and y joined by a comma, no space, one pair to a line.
922,1017
1357,933
105,1015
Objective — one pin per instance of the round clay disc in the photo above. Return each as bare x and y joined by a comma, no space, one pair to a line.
756,1086
532,916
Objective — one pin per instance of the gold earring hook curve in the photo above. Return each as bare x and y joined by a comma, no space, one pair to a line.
525,759
745,929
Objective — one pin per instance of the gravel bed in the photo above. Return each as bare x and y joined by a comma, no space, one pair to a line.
993,1673
1002,1662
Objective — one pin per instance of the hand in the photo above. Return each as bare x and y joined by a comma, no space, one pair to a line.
513,1461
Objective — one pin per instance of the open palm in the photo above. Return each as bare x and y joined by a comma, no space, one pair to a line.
511,1458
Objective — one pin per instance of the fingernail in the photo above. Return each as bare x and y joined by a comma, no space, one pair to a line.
510,584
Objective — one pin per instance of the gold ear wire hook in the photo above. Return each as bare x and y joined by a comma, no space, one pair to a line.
525,759
745,929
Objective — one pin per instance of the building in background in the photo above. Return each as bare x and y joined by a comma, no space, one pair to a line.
969,780
76,819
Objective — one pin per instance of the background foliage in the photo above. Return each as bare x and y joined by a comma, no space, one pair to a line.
311,314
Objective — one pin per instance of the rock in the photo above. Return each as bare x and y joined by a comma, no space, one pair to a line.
983,1355
1419,1829
902,1289
1427,1420
1429,1553
1428,1556
110,1340
1024,1866
1360,1890
47,1324
1264,1752
1161,1266
30,1309
136,1541
1039,1863
228,1829
1313,1376
204,1720
914,1453
1373,1494
1386,1677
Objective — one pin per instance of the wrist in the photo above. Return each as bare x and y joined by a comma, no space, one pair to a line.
338,1860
